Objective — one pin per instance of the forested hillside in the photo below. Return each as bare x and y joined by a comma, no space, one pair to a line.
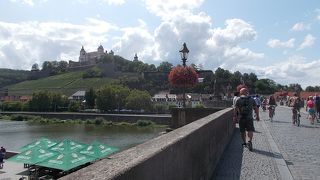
10,76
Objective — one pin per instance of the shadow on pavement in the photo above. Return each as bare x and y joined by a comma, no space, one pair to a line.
229,166
281,122
267,153
309,126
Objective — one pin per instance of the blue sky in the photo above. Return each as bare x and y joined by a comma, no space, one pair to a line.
274,39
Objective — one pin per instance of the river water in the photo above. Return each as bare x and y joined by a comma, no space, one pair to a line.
15,134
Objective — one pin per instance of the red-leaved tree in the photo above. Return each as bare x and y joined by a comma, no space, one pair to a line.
181,76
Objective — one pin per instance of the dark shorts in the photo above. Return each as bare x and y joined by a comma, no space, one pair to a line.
246,125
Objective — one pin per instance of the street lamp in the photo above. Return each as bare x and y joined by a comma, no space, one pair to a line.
184,54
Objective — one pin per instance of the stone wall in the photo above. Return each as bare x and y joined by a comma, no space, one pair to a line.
187,153
183,116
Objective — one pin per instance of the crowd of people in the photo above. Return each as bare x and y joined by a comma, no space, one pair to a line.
246,109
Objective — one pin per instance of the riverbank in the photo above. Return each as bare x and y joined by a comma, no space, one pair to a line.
161,119
97,121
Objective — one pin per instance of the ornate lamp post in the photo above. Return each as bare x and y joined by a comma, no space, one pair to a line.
183,76
184,54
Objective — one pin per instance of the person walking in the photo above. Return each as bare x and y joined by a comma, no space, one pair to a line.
317,104
272,107
244,107
2,153
311,109
294,103
235,98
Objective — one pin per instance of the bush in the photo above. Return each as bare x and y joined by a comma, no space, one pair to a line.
159,108
98,121
74,106
199,106
92,73
12,106
144,123
18,118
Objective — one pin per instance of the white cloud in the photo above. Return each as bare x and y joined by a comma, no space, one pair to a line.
113,2
134,40
29,2
276,43
28,42
307,42
295,69
236,31
301,27
166,8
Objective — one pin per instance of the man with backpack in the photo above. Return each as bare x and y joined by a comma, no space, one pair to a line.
244,107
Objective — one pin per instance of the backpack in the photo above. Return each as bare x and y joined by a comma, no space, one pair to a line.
244,106
295,102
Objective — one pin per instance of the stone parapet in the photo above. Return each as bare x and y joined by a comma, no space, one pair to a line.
187,153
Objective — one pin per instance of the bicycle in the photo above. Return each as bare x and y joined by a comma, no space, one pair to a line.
271,112
298,117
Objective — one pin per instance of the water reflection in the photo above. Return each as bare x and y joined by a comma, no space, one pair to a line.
14,134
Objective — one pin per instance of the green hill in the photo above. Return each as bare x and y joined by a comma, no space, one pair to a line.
11,76
66,83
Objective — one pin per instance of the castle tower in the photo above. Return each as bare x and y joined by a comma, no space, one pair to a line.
135,58
100,49
82,57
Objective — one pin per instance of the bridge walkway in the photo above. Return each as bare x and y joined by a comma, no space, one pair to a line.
281,150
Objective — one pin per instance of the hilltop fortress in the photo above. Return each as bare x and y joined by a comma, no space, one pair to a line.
89,58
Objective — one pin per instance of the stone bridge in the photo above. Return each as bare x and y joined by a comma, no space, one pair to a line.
210,148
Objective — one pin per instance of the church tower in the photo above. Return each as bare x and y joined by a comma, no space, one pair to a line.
82,57
135,58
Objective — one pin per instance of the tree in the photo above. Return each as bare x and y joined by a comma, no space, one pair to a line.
47,101
57,101
313,88
111,97
63,66
138,100
41,101
295,87
92,73
222,80
90,97
74,106
265,86
47,66
194,66
165,67
35,67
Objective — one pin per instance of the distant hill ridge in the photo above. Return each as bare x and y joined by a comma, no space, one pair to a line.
107,70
